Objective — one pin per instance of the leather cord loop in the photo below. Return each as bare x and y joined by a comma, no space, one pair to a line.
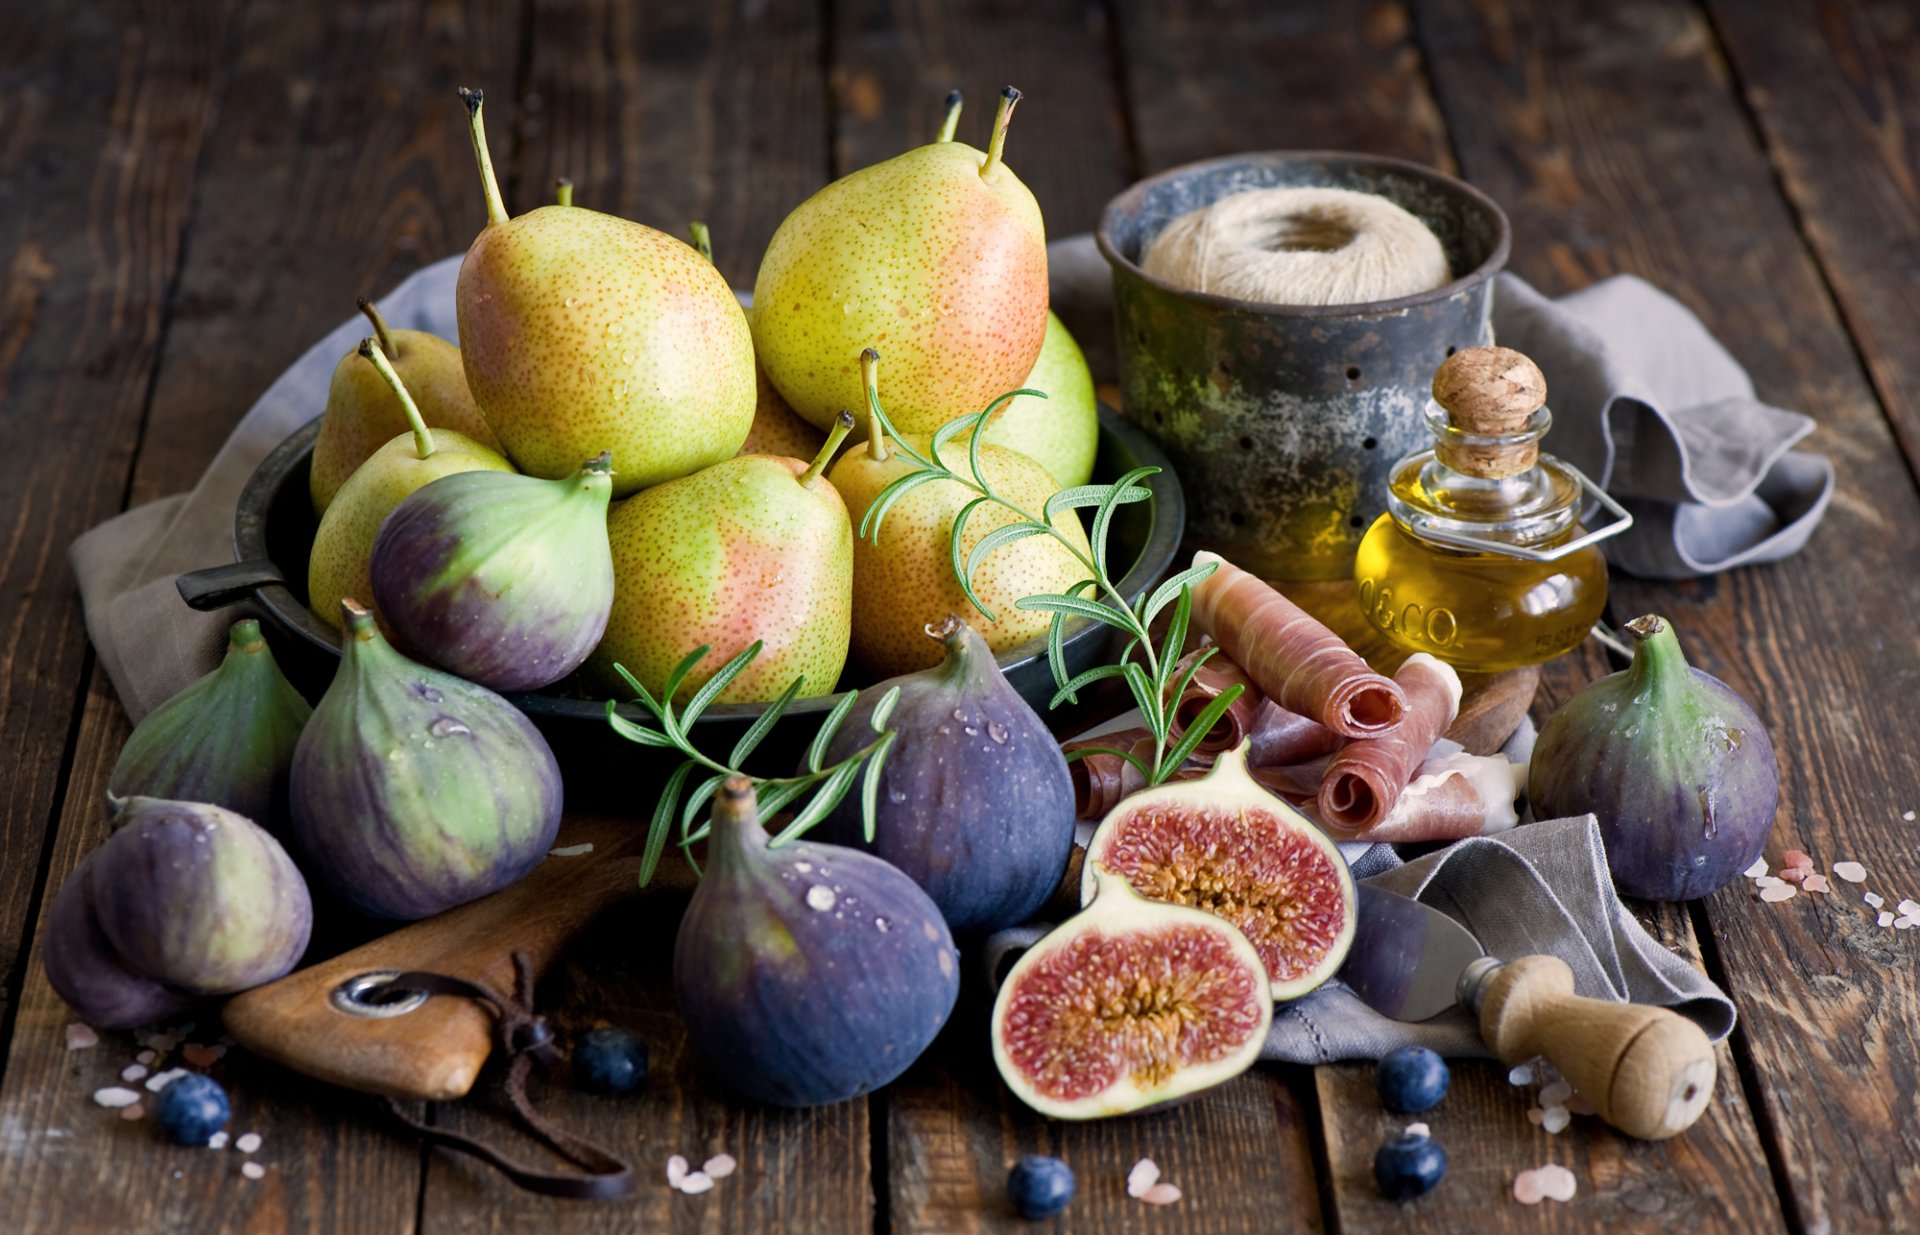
526,1038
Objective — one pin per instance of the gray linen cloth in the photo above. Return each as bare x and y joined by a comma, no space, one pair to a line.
1540,889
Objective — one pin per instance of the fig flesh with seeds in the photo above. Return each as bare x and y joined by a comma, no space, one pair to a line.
414,790
1223,844
975,801
807,974
1130,1004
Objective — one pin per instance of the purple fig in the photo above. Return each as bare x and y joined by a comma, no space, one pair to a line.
84,970
1676,767
414,790
807,974
505,579
198,898
975,803
227,739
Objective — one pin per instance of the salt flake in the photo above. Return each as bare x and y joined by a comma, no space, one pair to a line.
217,1141
1144,1175
1418,1129
1161,1194
1557,1182
248,1143
133,1072
253,1170
1758,869
160,1080
1885,918
1767,881
1526,1187
1815,883
1785,891
1852,872
676,1170
1554,1120
719,1167
131,1113
114,1096
570,851
1556,1094
1796,874
1909,909
80,1037
1796,857
1874,899
696,1182
1908,816
1522,1075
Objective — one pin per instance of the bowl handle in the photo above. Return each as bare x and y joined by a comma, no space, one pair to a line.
220,586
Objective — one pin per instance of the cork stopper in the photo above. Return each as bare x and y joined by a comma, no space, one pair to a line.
1489,392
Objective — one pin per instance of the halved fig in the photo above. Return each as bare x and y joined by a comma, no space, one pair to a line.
1127,1005
1223,844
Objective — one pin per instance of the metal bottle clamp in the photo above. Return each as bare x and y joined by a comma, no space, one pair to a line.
1420,525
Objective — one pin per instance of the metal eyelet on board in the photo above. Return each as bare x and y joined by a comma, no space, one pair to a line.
353,996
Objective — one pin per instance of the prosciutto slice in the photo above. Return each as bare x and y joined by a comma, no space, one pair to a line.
1276,735
1454,796
1101,779
1365,778
1298,663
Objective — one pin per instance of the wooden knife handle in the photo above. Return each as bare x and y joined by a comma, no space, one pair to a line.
1648,1071
435,1051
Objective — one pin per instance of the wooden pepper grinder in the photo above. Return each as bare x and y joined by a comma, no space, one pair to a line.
1480,558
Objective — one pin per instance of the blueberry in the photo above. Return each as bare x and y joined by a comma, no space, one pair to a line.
610,1061
1408,1165
1039,1186
1411,1079
192,1108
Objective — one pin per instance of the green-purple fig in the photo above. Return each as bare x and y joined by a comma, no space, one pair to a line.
415,790
506,580
198,898
227,739
84,970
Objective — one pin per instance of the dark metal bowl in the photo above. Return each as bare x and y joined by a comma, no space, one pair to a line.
273,530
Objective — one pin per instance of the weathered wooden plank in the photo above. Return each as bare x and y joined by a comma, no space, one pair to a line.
666,113
1207,78
103,112
307,200
894,64
1836,95
1613,138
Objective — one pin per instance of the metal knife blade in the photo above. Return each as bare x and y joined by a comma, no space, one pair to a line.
1406,958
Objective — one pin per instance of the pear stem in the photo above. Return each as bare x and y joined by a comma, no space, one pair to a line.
1009,98
870,379
702,239
563,191
422,436
842,425
952,121
379,325
496,205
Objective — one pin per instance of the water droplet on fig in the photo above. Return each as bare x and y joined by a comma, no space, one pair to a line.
896,795
820,897
427,692
882,925
447,727
997,731
803,867
959,714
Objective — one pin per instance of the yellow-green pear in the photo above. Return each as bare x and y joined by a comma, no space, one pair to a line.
362,415
757,547
583,332
903,574
938,256
1062,431
337,567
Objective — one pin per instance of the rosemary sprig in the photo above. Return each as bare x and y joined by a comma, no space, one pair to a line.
1152,673
829,784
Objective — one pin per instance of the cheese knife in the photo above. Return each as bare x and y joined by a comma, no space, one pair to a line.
1647,1071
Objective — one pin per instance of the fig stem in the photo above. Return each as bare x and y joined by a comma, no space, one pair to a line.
379,326
244,636
702,239
952,120
422,436
1009,99
876,432
359,620
842,425
735,829
477,128
1659,665
563,192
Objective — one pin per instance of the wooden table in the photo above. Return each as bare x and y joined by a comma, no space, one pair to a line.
191,193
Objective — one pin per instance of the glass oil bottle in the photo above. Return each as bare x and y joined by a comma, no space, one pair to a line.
1480,559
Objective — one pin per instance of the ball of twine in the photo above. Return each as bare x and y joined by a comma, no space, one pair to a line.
1300,246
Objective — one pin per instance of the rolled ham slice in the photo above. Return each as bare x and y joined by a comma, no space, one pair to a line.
1365,778
1298,663
1100,780
1454,796
1275,735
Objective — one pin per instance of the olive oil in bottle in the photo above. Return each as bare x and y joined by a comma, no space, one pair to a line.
1480,559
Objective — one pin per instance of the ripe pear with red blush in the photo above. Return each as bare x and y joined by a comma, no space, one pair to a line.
755,548
583,332
937,255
